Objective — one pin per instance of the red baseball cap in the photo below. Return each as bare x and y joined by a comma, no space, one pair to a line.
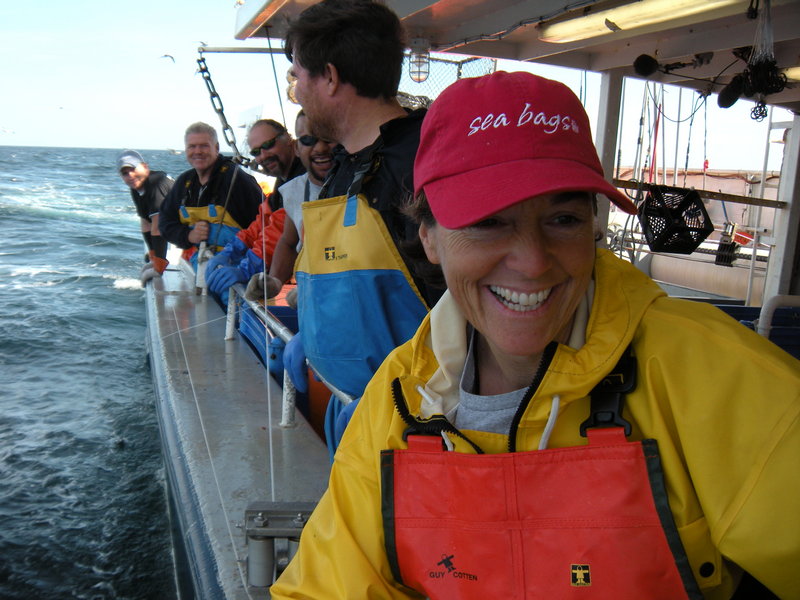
490,142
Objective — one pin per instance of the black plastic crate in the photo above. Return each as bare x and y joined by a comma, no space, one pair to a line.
674,219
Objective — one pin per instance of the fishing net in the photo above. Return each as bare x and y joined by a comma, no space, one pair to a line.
674,219
762,76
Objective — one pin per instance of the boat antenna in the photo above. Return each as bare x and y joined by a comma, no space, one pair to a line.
265,275
698,105
275,75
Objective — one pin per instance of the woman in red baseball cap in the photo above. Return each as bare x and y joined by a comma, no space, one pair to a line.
558,427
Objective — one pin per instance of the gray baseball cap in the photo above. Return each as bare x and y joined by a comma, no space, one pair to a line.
129,158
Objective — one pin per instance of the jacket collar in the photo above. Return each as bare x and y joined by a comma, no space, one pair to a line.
619,300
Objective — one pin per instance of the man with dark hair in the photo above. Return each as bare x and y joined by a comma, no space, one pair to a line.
355,42
211,201
148,190
338,31
357,298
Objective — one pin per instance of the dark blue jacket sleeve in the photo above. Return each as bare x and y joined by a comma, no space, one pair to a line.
169,222
162,188
245,199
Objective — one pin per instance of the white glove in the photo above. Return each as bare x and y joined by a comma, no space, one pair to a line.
291,298
274,286
255,288
148,272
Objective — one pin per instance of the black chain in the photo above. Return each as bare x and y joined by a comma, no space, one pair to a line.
216,102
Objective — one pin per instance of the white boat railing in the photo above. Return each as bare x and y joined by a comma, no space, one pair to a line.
272,528
768,310
275,329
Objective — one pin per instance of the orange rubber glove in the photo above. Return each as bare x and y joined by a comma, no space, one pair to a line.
159,264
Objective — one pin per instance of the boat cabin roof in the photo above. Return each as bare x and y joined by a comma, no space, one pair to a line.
697,44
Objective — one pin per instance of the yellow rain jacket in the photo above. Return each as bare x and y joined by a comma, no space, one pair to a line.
721,401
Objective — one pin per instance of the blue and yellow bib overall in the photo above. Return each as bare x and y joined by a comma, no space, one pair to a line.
222,228
357,300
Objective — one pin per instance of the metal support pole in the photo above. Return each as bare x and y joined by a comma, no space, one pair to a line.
230,316
260,561
288,403
200,287
677,139
273,533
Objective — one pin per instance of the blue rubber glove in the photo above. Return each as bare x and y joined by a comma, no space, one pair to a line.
275,352
332,412
220,259
213,271
342,419
294,361
219,280
237,249
232,253
251,264
337,416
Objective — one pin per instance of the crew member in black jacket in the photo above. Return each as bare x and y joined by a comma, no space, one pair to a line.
211,201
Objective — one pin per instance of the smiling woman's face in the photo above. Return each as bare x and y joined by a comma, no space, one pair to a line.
519,275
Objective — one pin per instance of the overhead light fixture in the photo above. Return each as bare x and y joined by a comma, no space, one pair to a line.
792,73
419,65
624,18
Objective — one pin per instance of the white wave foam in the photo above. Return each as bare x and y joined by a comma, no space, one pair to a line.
34,271
127,283
16,285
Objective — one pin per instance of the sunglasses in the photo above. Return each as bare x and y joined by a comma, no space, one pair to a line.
308,140
268,145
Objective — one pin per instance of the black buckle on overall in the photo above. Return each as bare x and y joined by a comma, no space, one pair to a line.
608,396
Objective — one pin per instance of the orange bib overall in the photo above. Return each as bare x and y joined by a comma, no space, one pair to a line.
586,522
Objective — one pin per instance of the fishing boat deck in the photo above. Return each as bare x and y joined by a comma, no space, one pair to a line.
224,448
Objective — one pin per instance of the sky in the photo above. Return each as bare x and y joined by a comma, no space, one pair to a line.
92,73
81,73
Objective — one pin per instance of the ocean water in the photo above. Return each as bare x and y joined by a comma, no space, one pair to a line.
82,502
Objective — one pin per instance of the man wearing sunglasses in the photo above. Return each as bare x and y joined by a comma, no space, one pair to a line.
316,155
273,149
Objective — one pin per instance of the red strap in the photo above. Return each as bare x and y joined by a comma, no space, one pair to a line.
425,443
606,436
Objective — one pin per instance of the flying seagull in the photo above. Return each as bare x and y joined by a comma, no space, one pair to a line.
169,56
